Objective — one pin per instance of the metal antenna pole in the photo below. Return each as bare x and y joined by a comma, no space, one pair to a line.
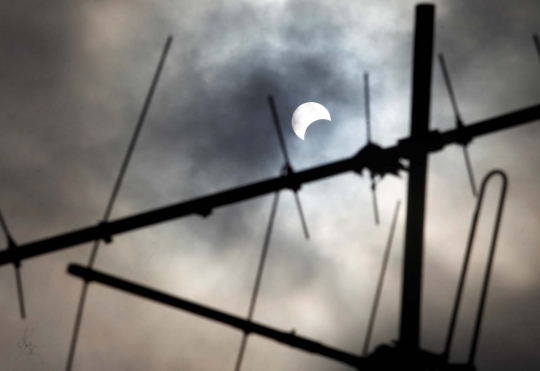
414,232
114,194
459,123
288,168
258,279
16,265
381,282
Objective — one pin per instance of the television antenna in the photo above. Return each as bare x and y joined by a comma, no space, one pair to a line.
422,141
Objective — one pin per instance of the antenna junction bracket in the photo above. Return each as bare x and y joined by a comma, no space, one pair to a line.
104,233
378,161
287,173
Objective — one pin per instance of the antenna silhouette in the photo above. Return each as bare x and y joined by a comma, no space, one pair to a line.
406,353
368,135
112,199
287,169
459,123
463,275
258,279
378,291
16,265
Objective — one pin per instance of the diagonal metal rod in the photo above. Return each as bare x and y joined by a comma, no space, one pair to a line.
277,125
459,122
301,213
234,321
16,266
258,278
374,198
450,89
381,282
114,194
288,168
537,44
436,141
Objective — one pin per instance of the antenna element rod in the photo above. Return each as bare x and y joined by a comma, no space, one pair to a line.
114,194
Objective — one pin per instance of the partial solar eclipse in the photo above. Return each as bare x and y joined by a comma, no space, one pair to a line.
305,115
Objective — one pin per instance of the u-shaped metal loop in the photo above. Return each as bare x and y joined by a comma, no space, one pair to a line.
488,268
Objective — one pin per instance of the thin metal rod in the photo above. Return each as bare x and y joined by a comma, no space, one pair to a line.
459,123
468,250
234,321
258,278
378,291
374,198
537,44
288,168
469,170
368,135
112,199
242,193
366,100
277,125
301,213
20,293
450,89
16,266
480,313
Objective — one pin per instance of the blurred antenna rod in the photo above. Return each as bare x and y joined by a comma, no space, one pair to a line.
459,123
16,265
287,169
380,284
387,158
112,199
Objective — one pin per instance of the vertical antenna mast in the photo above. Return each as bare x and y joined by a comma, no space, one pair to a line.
414,232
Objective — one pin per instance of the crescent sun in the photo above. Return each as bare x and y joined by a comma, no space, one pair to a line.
305,115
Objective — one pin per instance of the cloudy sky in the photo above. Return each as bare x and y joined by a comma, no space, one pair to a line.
73,78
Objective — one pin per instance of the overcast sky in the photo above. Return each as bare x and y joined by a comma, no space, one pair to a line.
73,78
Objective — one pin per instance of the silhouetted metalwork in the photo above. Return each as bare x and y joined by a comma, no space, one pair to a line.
414,231
258,278
384,355
463,275
368,136
287,169
246,326
379,161
378,291
112,199
385,159
459,123
16,266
